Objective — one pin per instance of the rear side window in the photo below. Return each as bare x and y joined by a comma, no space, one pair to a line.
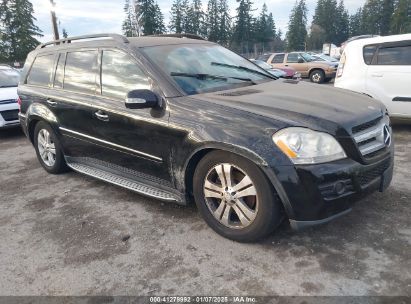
120,74
394,56
40,71
368,53
80,72
278,58
58,78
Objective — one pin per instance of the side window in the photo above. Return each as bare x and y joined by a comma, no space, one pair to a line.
368,53
80,72
264,57
120,74
278,58
40,71
58,78
394,56
292,58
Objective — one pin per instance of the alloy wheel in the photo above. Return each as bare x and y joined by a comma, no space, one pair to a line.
231,196
47,149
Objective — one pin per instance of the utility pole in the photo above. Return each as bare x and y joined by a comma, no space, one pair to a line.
54,21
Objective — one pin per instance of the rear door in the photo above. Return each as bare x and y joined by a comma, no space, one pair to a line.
388,77
277,61
72,99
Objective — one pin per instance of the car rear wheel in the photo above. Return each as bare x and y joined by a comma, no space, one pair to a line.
317,76
48,149
235,198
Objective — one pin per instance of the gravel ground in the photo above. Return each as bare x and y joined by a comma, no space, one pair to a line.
73,235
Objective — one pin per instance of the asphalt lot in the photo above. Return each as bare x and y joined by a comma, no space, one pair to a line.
73,235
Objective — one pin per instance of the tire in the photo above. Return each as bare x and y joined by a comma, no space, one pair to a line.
317,76
42,144
264,212
327,80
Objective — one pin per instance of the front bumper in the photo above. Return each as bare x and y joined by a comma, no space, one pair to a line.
8,116
316,194
331,74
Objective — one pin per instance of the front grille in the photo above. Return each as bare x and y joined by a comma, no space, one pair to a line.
7,101
367,177
366,125
10,115
370,137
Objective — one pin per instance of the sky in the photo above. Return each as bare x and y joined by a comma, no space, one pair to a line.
80,17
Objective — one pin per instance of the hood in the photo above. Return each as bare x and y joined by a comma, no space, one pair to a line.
294,103
8,93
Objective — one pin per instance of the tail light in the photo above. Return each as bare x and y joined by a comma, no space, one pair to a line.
19,103
341,65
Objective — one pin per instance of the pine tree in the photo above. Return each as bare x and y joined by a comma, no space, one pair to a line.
371,17
265,28
387,11
342,24
131,25
326,20
297,32
196,15
159,27
17,29
401,19
177,17
213,21
243,29
224,22
355,24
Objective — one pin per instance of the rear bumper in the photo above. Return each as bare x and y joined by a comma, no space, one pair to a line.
23,123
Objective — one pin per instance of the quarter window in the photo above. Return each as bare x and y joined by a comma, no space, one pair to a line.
40,71
368,53
120,74
80,72
278,58
394,56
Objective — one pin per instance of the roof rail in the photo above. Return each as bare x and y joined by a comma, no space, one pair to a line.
116,37
180,35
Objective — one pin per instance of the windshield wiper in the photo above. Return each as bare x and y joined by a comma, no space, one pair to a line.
8,86
240,67
209,76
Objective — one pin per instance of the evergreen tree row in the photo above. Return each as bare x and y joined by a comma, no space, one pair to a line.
143,17
333,24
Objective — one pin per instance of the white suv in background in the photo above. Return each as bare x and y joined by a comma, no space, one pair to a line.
9,107
381,68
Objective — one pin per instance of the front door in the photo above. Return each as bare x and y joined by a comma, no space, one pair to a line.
134,139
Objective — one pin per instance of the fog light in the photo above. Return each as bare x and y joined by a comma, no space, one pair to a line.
339,188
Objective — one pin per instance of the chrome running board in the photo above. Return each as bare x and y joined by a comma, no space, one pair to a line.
122,181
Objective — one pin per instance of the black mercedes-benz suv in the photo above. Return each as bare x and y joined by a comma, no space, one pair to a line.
182,119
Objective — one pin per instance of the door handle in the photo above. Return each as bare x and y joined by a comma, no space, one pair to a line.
101,115
376,75
51,102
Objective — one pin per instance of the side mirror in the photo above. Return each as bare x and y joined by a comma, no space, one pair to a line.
141,99
300,60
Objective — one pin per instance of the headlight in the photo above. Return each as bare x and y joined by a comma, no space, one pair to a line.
305,146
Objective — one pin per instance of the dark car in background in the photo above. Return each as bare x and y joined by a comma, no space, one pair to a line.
181,119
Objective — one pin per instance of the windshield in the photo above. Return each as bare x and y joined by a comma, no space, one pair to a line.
199,68
9,78
328,58
307,57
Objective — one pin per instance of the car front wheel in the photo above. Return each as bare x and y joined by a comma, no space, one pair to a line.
317,76
235,198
